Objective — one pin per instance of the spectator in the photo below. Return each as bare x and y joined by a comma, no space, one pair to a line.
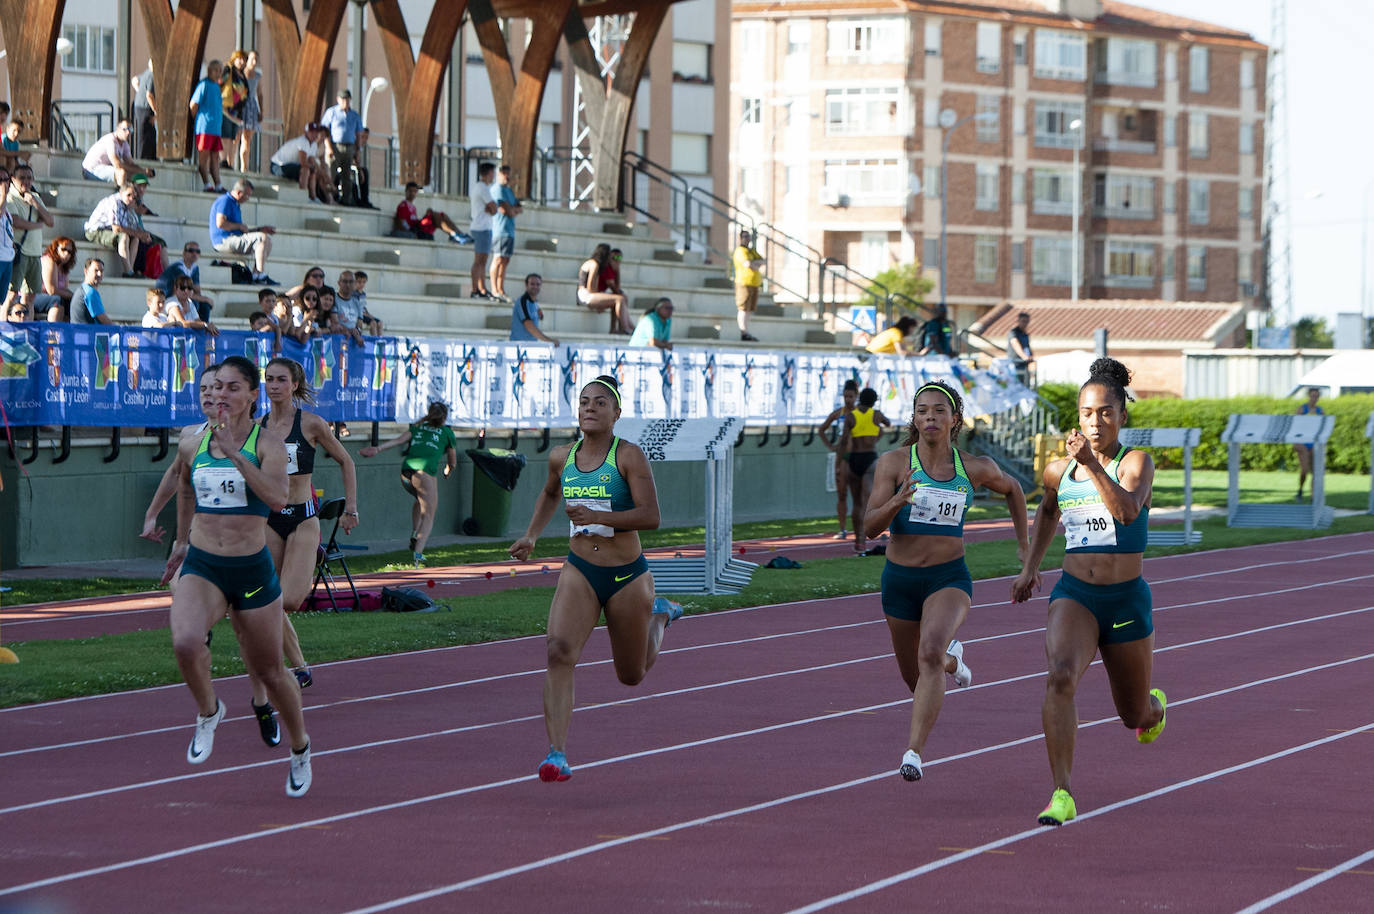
305,315
655,328
145,113
6,232
503,230
261,322
230,235
57,262
299,160
114,224
252,107
189,267
408,223
483,206
15,313
313,279
526,314
342,124
233,93
364,175
155,318
748,281
360,293
328,320
87,306
28,215
349,309
283,318
181,310
889,342
609,278
208,110
937,334
111,158
1019,347
587,276
267,302
150,250
10,156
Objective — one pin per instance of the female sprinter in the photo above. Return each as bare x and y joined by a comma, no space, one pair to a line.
921,492
237,477
607,503
1101,602
860,441
1304,451
849,399
294,532
426,444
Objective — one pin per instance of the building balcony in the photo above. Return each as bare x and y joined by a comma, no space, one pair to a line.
1112,144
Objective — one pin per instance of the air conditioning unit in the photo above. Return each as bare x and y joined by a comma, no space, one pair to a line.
1247,290
831,196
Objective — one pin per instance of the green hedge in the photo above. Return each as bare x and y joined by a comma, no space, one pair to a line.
1347,452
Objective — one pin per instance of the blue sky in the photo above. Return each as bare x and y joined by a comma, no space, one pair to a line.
1331,137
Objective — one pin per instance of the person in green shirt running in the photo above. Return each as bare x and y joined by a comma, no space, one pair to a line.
427,445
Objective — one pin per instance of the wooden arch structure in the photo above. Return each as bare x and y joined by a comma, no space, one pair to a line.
31,29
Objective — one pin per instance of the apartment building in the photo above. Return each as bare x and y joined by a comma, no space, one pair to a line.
848,112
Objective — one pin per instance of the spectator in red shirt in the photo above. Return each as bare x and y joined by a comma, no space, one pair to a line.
608,280
408,223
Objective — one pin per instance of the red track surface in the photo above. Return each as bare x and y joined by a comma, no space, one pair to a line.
754,770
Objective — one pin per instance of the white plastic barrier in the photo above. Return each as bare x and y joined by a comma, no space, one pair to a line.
713,442
1244,429
1186,438
1369,433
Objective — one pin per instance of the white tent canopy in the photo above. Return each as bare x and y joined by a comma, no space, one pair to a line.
1351,371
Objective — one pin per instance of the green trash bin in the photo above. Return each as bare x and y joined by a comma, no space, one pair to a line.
494,474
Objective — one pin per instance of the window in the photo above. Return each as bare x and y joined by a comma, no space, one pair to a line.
751,37
1124,196
1051,192
989,120
1197,135
1018,120
863,112
867,40
1018,187
1198,60
1052,120
867,182
930,253
932,39
1060,55
1018,256
751,111
986,186
1247,73
1052,261
691,62
1170,197
1018,49
93,48
1170,65
989,47
1197,268
1246,203
1247,139
798,38
932,112
1199,201
985,258
1170,132
1244,274
1127,62
932,180
1167,274
1129,266
691,153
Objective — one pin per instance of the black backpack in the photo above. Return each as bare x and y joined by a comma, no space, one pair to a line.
406,600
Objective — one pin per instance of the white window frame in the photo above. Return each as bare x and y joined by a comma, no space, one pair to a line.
687,148
864,111
1197,135
1197,268
1137,258
751,39
985,258
1247,139
1128,62
751,111
1124,196
1247,73
1199,69
1170,131
1060,55
1018,187
1170,197
1199,201
795,47
1245,203
930,253
1051,261
1018,257
987,186
692,61
869,40
1052,191
931,184
90,53
1052,119
868,182
989,127
988,47
932,39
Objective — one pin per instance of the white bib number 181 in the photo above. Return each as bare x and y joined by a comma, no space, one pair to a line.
941,507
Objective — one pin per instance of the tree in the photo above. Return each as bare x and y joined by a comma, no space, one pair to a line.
904,279
1312,333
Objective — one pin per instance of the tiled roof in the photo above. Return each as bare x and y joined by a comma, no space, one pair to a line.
1196,323
1114,12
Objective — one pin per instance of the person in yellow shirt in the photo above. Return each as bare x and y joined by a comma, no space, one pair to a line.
889,342
748,281
862,430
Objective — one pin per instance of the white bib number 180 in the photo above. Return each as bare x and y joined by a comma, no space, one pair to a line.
1088,525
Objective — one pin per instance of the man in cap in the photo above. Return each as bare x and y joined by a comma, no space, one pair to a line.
342,125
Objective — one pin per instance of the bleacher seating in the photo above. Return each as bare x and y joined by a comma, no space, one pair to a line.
419,287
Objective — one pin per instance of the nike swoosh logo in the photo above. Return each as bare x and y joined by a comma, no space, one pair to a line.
251,593
294,784
195,754
569,478
1122,624
618,579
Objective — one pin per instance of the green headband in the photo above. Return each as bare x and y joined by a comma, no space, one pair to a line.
613,390
952,405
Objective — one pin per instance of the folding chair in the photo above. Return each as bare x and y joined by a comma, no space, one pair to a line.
331,554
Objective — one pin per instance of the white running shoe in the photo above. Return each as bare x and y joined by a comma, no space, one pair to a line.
911,766
204,740
963,676
298,779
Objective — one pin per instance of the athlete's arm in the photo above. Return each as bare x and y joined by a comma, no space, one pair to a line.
892,488
319,432
186,505
1046,523
544,505
268,477
634,466
402,438
825,427
984,471
166,488
1136,474
846,438
450,460
880,419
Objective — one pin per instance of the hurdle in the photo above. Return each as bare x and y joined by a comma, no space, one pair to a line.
1242,429
1186,438
1369,433
711,441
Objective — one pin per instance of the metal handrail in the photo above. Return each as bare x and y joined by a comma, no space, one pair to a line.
446,171
59,125
635,166
708,202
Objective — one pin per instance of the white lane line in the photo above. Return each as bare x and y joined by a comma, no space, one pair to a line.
1042,830
416,801
1293,891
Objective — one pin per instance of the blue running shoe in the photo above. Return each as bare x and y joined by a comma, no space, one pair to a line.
554,767
666,607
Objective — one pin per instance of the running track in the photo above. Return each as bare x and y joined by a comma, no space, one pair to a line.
753,770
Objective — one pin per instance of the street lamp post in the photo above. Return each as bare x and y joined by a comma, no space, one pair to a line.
1076,125
950,122
378,83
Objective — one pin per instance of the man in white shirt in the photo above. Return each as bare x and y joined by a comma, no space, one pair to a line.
28,215
111,159
299,160
349,308
113,223
483,206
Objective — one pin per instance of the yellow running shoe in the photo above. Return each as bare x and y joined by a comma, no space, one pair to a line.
1060,810
1152,734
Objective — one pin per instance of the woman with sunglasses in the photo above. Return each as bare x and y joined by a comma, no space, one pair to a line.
56,263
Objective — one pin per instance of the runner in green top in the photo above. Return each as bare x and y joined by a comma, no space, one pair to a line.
427,444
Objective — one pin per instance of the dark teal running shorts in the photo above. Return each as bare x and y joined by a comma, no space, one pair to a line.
1124,611
247,581
906,588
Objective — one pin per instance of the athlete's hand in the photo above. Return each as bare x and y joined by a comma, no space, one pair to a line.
152,532
219,430
369,451
174,563
522,548
1025,582
1078,447
581,514
348,521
